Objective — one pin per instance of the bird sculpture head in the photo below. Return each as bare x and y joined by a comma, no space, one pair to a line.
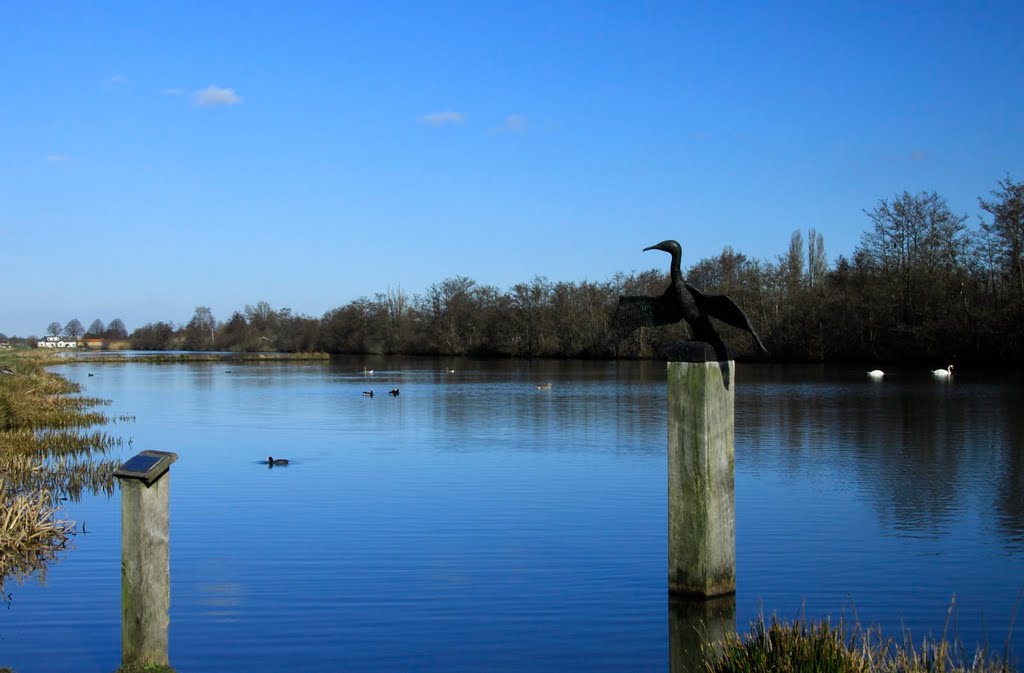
669,246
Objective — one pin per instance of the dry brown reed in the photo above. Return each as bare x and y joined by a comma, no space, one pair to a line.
31,534
47,455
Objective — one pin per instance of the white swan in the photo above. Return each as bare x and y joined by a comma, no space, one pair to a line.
876,374
943,373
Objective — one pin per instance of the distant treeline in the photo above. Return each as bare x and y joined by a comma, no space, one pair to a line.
923,284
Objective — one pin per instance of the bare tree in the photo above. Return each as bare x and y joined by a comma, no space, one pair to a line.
817,264
528,303
449,305
74,328
200,330
116,330
97,327
1005,234
394,309
795,261
54,329
261,316
915,241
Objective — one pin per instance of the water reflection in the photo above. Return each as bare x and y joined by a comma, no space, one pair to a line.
694,626
921,452
1009,503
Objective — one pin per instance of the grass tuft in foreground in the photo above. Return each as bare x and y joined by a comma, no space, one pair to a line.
800,646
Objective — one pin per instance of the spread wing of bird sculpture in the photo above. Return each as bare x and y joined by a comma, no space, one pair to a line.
681,301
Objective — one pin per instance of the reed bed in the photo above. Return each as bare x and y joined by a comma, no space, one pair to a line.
801,645
31,533
47,455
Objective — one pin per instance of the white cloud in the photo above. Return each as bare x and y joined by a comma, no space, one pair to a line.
215,95
442,118
514,124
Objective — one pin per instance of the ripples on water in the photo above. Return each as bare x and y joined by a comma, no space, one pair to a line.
477,523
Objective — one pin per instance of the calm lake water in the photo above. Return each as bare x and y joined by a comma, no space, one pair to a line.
475,523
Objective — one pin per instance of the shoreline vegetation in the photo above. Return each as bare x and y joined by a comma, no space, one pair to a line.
103,357
924,284
805,645
48,454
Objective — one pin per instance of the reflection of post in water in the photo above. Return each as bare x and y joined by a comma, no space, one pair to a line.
694,626
145,557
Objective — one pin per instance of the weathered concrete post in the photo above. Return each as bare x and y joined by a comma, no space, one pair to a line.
701,488
145,557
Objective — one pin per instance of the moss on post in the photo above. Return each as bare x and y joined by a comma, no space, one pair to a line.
701,488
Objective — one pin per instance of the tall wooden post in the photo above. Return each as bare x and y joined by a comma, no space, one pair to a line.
145,557
701,488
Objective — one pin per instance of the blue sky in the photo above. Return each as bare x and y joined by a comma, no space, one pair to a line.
159,156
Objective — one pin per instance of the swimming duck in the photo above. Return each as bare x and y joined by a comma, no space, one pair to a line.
276,461
367,393
876,373
394,392
544,386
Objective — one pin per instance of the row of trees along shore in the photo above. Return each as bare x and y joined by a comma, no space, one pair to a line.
923,284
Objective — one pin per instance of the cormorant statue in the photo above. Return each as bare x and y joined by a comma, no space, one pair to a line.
682,301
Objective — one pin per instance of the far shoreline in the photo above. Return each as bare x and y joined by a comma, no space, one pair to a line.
94,357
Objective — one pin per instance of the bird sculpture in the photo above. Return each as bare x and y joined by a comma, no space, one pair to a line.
943,373
276,461
682,301
876,374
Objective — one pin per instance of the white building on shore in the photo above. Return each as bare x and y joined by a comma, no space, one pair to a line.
57,342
